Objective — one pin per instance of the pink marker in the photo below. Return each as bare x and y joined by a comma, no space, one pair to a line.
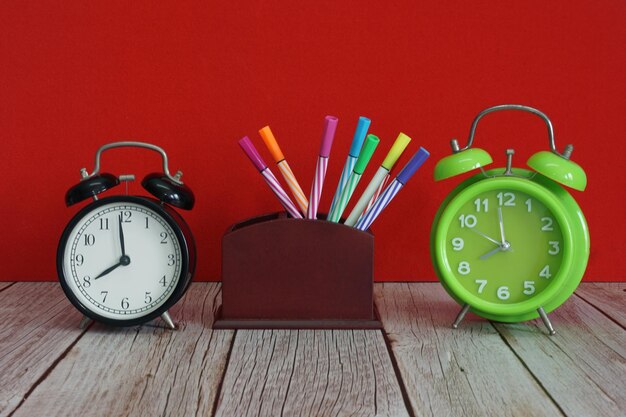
330,126
257,161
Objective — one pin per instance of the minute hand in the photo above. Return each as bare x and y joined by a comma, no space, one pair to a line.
501,225
122,237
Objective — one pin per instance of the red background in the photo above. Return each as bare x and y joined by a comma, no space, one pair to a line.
195,77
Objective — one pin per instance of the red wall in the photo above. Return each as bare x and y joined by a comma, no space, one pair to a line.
194,78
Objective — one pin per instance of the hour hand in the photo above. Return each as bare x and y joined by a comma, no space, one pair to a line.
108,270
491,252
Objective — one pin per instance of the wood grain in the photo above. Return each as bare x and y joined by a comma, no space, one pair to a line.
582,367
147,370
39,325
310,373
609,297
465,372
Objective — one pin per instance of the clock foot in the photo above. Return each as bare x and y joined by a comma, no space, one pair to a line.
168,320
84,322
459,317
546,321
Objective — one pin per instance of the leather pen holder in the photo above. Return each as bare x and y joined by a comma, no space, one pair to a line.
285,273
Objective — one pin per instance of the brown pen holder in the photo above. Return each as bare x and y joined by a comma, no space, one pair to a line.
284,273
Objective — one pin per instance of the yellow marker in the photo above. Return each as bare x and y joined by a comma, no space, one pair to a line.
379,178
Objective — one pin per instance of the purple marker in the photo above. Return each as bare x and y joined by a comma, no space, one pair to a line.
390,192
257,161
330,126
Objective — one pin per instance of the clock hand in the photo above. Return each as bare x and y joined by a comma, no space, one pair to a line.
486,237
501,248
124,260
122,237
501,226
108,270
491,252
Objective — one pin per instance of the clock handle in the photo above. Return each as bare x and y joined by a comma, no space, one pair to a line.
566,152
126,144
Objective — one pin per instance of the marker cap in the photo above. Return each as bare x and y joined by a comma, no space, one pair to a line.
330,126
396,150
272,145
416,161
371,142
359,135
250,150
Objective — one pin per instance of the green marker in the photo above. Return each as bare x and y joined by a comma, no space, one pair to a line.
378,180
371,142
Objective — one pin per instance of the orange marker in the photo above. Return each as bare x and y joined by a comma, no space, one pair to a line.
283,166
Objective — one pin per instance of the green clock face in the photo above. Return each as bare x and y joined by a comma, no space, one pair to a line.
505,246
508,245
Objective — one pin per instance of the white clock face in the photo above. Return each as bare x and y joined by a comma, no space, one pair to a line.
122,260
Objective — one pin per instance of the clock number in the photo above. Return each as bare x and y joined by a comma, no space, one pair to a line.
529,205
163,281
126,215
86,281
148,298
484,203
510,199
104,293
104,224
163,238
464,268
457,244
555,247
529,287
170,258
545,272
147,226
124,303
90,240
468,220
547,227
481,285
503,293
80,259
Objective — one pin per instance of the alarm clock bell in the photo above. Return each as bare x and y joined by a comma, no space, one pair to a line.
552,164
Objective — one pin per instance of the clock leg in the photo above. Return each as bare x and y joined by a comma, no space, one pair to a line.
546,320
84,322
460,316
168,320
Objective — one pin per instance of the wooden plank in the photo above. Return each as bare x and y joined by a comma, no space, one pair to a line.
609,297
39,325
583,366
146,370
310,373
447,372
4,285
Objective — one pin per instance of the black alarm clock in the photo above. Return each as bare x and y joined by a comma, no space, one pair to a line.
124,260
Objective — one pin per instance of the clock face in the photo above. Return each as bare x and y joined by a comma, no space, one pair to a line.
121,260
504,246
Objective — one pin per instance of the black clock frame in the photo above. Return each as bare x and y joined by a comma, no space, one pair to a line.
185,241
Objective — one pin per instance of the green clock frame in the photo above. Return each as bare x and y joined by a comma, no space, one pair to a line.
551,169
568,215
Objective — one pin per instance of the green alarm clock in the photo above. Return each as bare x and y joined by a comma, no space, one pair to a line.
510,244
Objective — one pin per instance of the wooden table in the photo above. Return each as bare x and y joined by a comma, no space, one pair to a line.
417,366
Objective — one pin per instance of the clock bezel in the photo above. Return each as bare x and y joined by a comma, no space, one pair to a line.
185,242
568,210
